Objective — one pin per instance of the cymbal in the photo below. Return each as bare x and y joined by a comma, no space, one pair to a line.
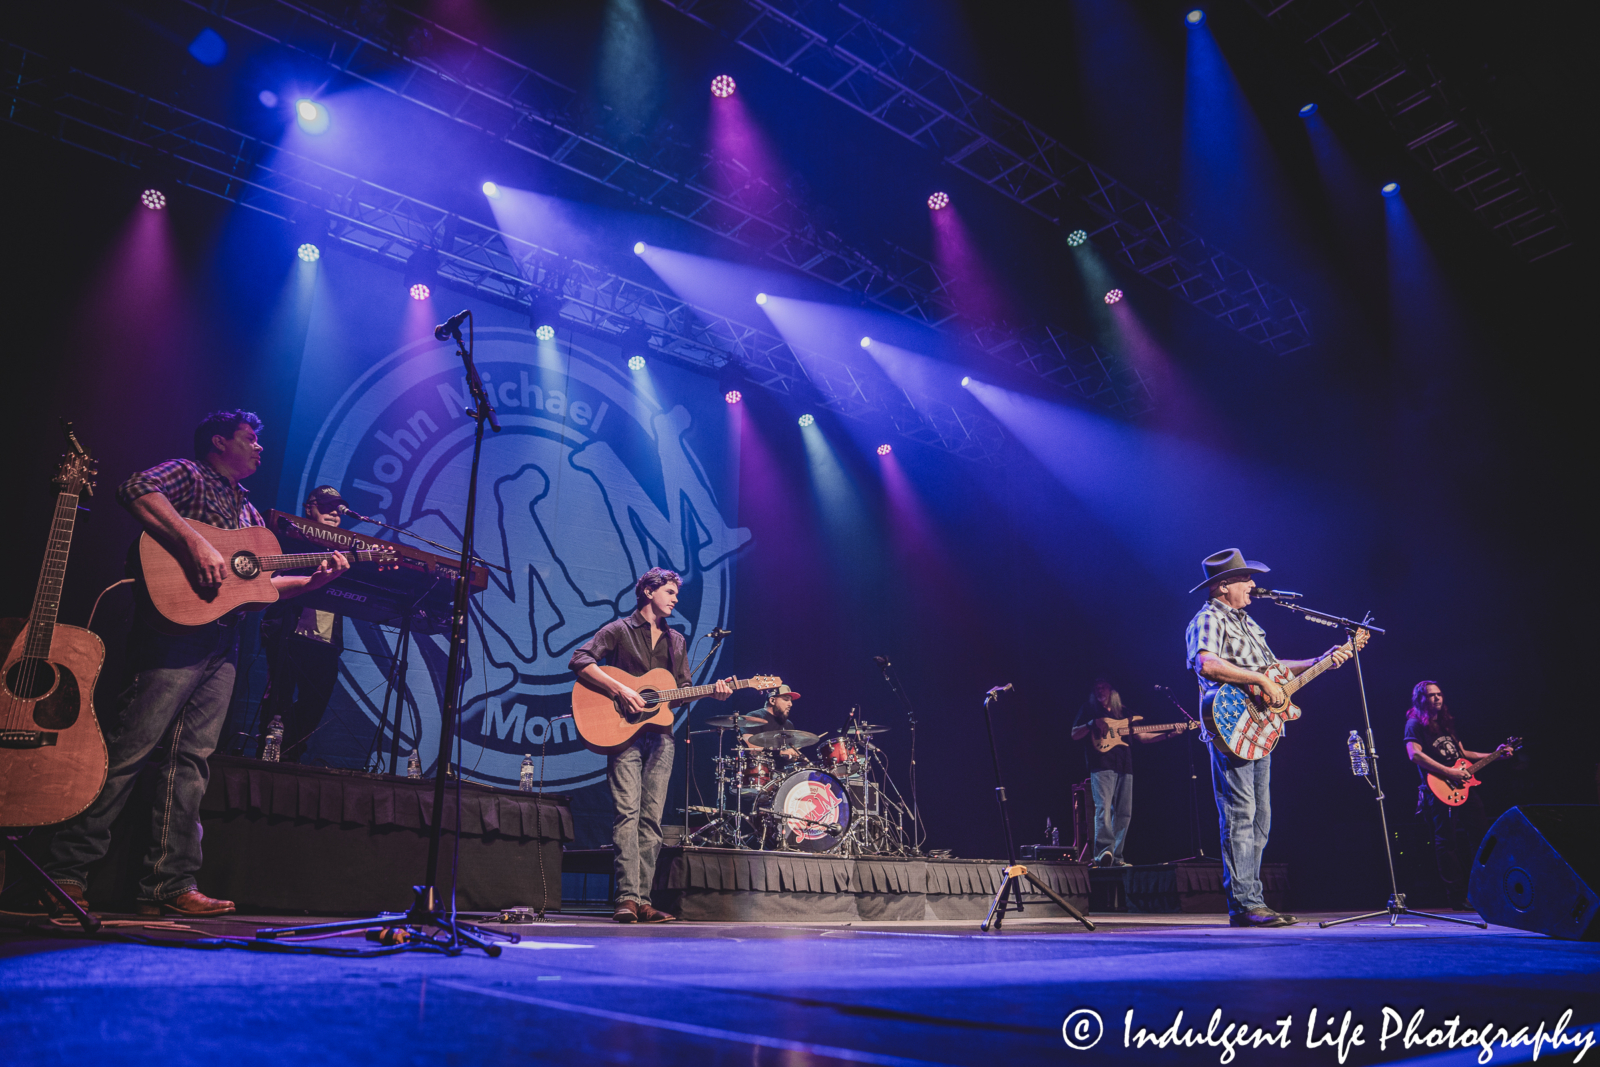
729,722
867,729
783,739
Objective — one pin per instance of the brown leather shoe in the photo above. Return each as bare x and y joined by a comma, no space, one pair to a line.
192,903
627,912
647,914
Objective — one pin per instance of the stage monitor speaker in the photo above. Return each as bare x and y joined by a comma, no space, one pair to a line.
1538,869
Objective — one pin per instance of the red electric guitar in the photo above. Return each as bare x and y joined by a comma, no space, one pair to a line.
1456,795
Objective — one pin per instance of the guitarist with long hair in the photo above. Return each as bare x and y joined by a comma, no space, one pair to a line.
1111,769
638,773
1225,645
1432,744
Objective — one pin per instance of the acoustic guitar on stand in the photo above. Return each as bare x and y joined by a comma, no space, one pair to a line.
1456,795
52,757
1107,734
252,556
606,724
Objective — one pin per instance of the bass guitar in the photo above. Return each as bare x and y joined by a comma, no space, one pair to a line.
1107,734
607,724
252,555
1456,795
1242,723
52,757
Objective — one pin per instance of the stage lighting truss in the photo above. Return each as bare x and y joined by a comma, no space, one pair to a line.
722,86
1352,43
154,199
527,110
939,201
308,253
391,228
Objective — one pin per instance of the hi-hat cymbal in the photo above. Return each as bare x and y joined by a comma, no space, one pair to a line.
729,722
865,729
783,739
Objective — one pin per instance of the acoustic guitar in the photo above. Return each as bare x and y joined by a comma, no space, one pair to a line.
1456,795
252,555
607,724
1242,723
1107,734
52,757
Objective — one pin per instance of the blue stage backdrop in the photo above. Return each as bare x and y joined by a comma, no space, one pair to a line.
599,474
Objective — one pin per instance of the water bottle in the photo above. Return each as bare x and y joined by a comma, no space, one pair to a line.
526,782
414,765
1358,755
273,749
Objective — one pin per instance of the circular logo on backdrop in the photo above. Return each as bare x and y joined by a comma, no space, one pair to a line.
589,484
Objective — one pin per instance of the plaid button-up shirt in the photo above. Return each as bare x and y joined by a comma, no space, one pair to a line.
1230,633
196,492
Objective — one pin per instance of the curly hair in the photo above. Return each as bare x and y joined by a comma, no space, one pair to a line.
654,579
222,424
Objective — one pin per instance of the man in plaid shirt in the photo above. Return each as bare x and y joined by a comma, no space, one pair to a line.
1226,646
181,685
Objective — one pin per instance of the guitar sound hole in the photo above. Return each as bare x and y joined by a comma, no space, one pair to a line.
245,565
30,679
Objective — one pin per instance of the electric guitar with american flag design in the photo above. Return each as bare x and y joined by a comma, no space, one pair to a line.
1242,723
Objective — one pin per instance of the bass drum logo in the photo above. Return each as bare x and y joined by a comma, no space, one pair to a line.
590,483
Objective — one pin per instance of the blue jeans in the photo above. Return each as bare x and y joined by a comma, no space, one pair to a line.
180,693
1244,815
1113,810
638,776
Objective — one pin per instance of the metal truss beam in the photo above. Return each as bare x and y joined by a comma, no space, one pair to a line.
1350,42
389,227
432,67
870,70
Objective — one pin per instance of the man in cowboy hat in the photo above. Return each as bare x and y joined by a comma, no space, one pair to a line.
1226,646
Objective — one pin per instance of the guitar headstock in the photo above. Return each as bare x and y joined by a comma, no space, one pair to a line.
76,474
1360,639
765,681
387,559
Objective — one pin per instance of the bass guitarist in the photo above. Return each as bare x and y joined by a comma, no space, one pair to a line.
1432,744
640,771
181,684
1226,646
1110,771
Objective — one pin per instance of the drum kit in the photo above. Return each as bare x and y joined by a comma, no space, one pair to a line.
772,796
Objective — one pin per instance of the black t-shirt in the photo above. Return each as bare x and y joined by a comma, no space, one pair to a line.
1444,747
1119,758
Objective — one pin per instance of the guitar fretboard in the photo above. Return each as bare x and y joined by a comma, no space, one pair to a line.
695,691
300,560
1300,681
47,595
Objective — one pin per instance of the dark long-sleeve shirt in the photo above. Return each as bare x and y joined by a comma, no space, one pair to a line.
625,643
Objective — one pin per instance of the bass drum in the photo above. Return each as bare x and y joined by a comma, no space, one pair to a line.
803,808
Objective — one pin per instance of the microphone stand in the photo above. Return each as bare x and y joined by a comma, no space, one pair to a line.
357,516
1194,788
911,722
427,909
718,635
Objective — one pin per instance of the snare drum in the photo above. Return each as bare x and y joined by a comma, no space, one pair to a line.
803,806
753,771
842,756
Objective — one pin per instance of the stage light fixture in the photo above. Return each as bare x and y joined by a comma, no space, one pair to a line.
1392,189
154,199
761,298
420,292
866,342
268,98
638,248
733,396
806,419
1113,296
884,450
636,363
939,201
208,47
491,190
308,253
312,116
1076,238
1195,17
1307,110
965,381
722,86
548,333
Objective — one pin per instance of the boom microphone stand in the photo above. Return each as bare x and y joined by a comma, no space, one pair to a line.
427,909
1194,788
918,831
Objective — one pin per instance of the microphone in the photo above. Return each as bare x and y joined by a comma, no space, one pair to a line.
1161,688
719,633
451,327
1000,689
882,661
1274,594
346,509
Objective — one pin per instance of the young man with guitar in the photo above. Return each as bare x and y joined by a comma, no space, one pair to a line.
1229,653
1454,813
639,770
182,680
1107,728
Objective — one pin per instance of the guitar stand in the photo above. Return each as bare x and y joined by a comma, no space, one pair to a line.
405,928
1015,872
31,870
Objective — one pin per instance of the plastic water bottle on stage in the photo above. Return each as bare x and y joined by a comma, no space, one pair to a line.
414,765
273,749
526,782
1358,754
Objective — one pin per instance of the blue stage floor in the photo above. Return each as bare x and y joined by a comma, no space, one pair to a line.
583,990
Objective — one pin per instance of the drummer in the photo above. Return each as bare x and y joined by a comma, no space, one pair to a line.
774,716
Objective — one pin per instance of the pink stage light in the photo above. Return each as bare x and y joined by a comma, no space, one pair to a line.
939,201
884,450
722,86
1113,296
420,292
154,199
733,396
